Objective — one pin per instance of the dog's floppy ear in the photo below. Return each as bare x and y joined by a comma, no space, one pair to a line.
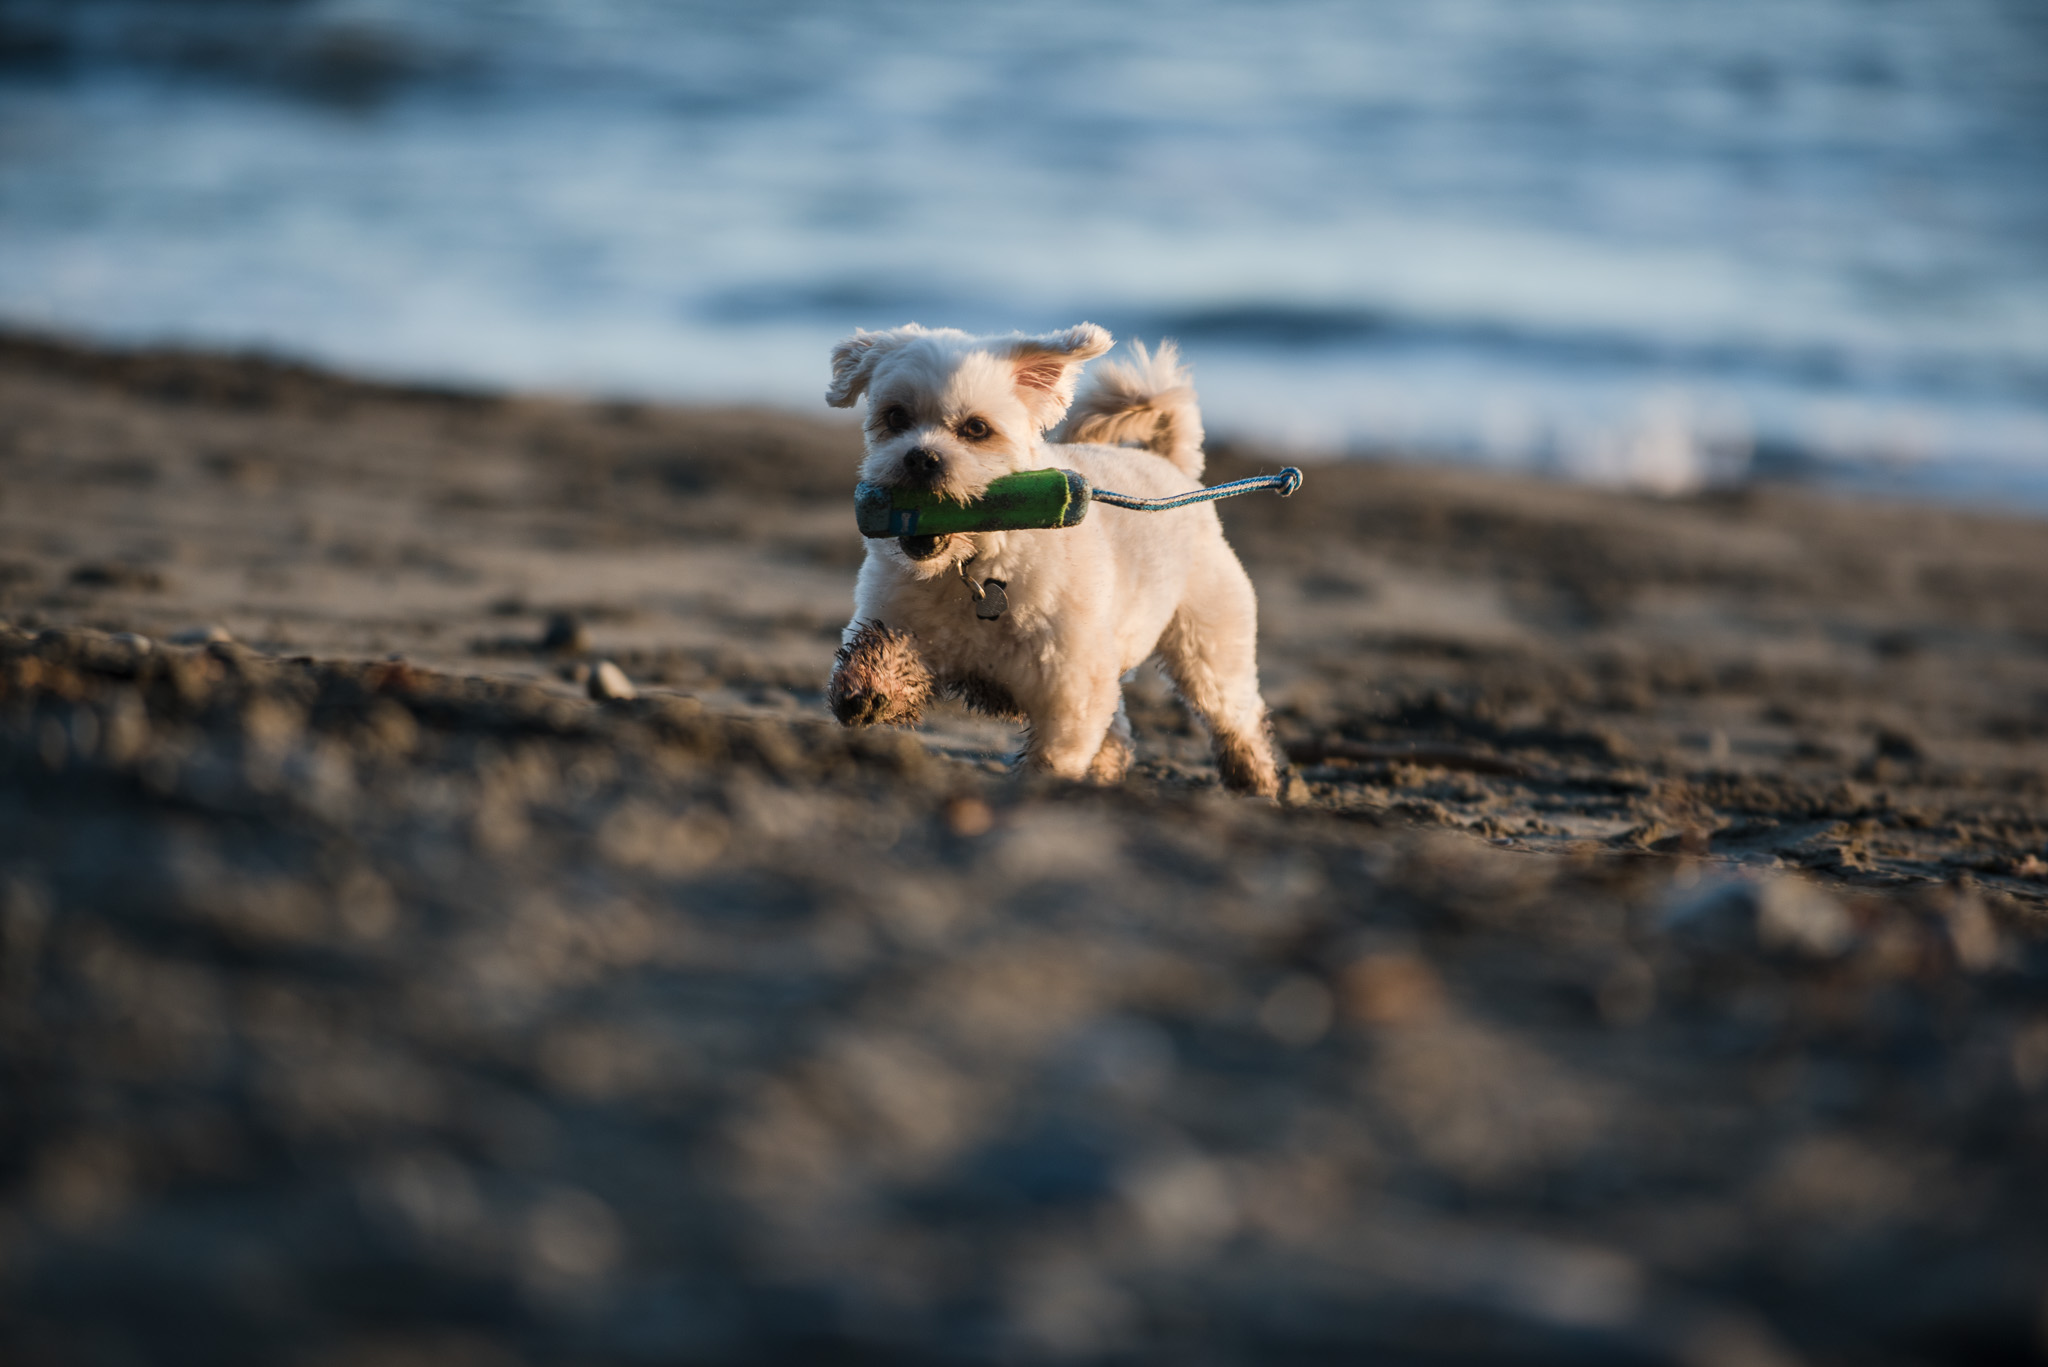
1048,365
853,361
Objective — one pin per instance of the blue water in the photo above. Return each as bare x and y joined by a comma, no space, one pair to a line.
1648,243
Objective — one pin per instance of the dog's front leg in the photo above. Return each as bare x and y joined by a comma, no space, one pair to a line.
1070,726
879,679
1113,760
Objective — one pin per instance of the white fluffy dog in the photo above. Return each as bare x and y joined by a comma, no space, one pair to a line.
1085,604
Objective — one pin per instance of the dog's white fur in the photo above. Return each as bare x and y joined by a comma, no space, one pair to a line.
1086,603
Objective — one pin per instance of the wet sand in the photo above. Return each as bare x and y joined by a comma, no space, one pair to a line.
1646,965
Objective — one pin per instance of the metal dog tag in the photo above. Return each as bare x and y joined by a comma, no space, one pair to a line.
993,602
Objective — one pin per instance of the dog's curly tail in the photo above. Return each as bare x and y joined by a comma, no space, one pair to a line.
1147,401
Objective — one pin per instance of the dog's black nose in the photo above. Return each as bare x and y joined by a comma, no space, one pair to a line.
922,464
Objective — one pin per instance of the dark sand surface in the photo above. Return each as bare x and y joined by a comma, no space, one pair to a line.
1646,967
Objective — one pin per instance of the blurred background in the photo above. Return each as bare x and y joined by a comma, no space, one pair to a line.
1656,245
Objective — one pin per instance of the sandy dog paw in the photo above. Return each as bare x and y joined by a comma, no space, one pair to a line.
1113,760
879,679
1247,766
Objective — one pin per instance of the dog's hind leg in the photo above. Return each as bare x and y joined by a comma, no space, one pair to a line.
1210,650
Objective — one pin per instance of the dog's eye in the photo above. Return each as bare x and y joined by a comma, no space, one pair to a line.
975,429
895,419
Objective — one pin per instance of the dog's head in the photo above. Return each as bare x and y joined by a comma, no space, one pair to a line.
950,412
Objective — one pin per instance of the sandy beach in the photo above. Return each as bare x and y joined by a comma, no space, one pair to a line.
1645,965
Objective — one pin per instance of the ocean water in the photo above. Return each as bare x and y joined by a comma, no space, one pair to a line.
1657,244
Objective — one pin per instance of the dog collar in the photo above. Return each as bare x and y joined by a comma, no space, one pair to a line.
991,596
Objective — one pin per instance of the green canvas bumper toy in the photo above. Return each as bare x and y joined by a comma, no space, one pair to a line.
1033,500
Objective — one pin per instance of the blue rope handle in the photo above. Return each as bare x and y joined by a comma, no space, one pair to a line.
1285,483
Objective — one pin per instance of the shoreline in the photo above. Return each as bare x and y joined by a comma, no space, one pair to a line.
1979,486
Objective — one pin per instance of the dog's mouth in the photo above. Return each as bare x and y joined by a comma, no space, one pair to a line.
922,547
926,482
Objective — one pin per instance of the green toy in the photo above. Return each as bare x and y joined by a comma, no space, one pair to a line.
1031,501
1020,502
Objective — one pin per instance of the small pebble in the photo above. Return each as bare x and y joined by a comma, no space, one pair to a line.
969,817
199,636
1896,743
1627,992
135,641
564,636
116,575
609,683
1298,1011
1774,912
1392,988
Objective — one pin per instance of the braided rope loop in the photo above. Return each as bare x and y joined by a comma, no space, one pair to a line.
1284,483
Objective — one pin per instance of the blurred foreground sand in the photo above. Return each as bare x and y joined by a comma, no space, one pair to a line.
1647,967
